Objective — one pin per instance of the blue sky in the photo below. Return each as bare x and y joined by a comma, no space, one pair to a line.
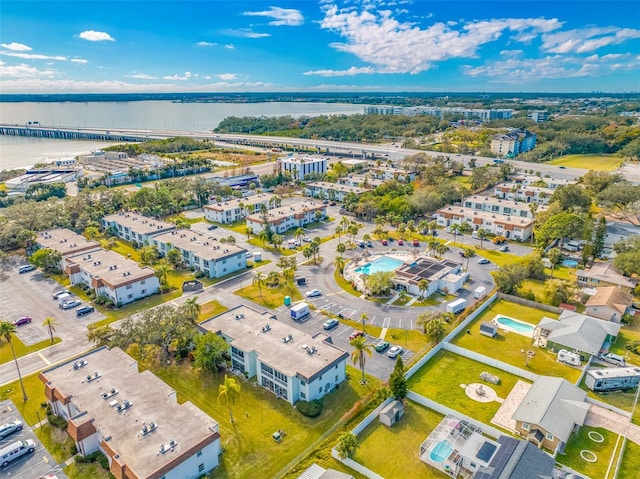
352,45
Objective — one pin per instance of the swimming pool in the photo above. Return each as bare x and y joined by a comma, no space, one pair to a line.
384,263
441,452
570,263
519,327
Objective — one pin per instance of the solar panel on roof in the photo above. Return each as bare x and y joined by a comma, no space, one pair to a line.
486,451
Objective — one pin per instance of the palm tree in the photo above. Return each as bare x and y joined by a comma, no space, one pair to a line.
299,234
192,309
554,255
423,285
249,231
277,241
50,323
441,249
341,248
363,318
162,271
229,389
468,253
358,355
454,229
482,235
339,263
339,231
366,237
401,230
259,280
263,236
411,226
7,329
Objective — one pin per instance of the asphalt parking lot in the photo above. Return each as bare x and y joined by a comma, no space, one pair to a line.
29,466
30,294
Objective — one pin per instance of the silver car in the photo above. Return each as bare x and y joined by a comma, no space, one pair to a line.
9,428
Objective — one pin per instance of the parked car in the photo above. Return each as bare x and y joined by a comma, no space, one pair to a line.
400,242
355,334
384,242
333,203
84,310
212,227
394,352
330,324
72,303
483,261
504,249
325,202
22,321
416,242
59,293
26,268
248,254
613,359
314,293
382,346
9,428
306,239
369,244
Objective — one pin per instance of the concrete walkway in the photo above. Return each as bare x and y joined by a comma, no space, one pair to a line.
601,417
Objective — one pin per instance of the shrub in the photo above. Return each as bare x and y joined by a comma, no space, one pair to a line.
633,346
199,274
96,456
310,408
57,421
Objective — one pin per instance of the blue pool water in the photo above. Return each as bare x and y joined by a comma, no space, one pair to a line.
384,263
518,326
570,263
441,452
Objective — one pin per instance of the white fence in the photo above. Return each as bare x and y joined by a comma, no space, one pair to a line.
496,363
371,417
355,465
426,402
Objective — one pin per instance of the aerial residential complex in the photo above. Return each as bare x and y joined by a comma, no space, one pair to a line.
112,275
500,206
135,227
524,193
65,242
288,362
511,144
440,112
132,417
512,227
203,253
301,166
285,218
230,211
331,191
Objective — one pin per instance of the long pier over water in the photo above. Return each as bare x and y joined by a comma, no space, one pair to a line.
64,133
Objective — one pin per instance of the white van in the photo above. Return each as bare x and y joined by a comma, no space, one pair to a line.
613,359
15,450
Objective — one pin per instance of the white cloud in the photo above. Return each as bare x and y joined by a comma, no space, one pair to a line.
510,53
245,33
229,46
586,40
79,60
184,77
340,73
23,71
93,36
227,76
206,44
282,16
33,56
16,47
392,46
141,76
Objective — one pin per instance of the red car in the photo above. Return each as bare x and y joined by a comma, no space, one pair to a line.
400,242
416,242
384,242
355,334
22,321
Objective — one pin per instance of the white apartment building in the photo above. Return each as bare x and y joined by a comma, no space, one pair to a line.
551,183
285,218
524,193
361,180
65,242
301,166
291,364
112,275
499,206
233,210
203,253
132,417
134,227
390,173
331,191
512,227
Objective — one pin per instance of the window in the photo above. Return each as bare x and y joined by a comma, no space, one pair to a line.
144,291
302,383
336,380
129,296
200,467
143,281
129,286
303,396
526,426
550,437
199,453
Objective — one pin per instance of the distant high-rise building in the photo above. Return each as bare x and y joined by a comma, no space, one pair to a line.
538,116
511,144
480,114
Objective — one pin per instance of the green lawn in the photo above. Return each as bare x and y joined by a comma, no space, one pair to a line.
250,451
589,162
344,284
57,441
210,309
86,471
269,297
378,444
35,393
21,349
630,461
508,346
581,441
183,218
136,307
627,334
440,379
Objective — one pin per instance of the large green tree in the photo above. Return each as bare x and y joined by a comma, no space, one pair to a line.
211,352
397,380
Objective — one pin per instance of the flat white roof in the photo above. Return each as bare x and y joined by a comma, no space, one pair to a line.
200,245
110,267
485,216
284,212
65,241
234,203
139,223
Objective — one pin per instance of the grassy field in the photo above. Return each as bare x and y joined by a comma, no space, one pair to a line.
21,349
581,441
344,284
378,444
210,309
269,297
86,471
630,462
628,333
35,393
508,346
589,162
250,451
441,377
57,441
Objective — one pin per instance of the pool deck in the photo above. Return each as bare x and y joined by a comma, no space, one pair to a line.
502,418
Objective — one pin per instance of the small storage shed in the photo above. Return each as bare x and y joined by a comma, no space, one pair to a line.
489,329
391,413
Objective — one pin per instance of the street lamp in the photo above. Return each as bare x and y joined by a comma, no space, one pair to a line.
38,414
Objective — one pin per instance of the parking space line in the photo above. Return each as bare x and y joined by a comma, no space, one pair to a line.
47,362
385,323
